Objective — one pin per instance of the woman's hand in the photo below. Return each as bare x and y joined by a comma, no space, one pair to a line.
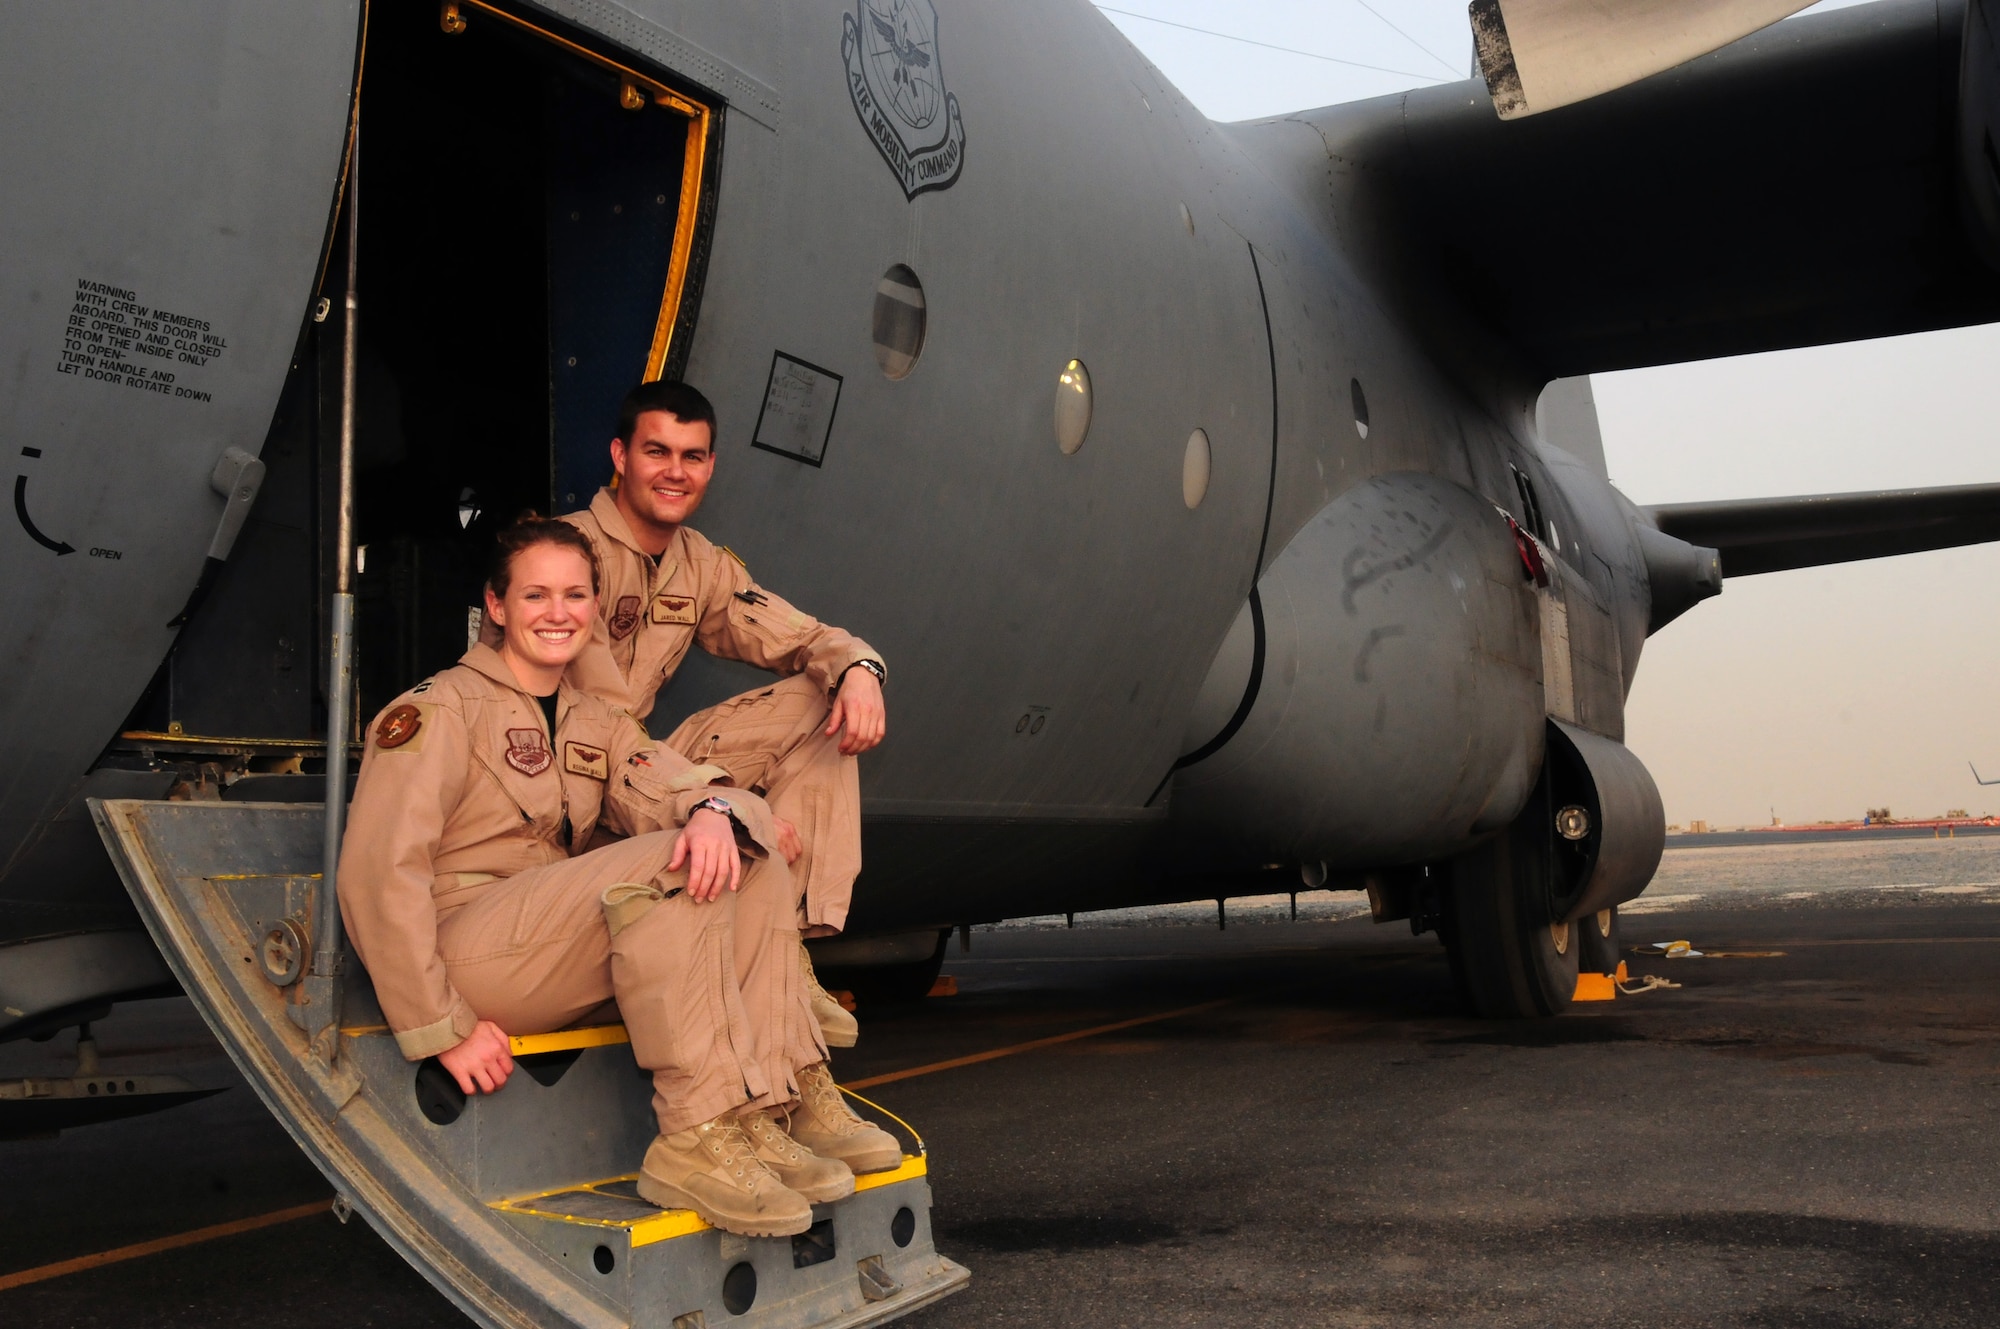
708,847
481,1062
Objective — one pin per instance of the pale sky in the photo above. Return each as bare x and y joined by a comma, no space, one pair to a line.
1817,693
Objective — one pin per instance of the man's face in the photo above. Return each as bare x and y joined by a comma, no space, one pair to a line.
663,469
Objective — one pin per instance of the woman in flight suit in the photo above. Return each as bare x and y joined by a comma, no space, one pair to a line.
468,898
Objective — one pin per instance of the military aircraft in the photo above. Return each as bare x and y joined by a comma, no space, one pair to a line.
1226,498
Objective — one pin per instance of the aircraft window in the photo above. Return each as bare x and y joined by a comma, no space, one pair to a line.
1194,469
1360,407
899,321
1072,406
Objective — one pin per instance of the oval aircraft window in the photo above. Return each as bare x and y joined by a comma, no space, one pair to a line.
899,321
1360,408
1072,406
1194,469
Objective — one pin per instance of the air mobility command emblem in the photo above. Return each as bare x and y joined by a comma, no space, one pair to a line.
625,617
528,751
897,85
399,726
582,759
674,609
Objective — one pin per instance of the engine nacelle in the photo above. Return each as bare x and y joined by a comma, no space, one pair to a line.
1379,699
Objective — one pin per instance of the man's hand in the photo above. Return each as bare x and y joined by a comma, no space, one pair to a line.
858,705
481,1062
708,847
789,843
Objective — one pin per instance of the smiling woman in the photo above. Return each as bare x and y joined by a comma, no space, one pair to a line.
542,595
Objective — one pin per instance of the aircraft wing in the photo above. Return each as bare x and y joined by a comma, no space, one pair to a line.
1775,534
1831,178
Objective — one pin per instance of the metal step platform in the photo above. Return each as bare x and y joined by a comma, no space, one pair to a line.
519,1206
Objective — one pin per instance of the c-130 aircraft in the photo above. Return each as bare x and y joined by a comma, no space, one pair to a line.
1226,498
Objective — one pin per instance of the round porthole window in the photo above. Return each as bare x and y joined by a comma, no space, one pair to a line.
899,321
1194,469
1072,406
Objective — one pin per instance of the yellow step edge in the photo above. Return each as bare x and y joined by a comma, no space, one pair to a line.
670,1223
596,1036
913,1165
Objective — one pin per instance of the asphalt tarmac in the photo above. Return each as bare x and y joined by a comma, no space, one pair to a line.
1291,1125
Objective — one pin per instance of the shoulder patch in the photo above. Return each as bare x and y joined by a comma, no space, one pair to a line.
402,727
669,608
583,759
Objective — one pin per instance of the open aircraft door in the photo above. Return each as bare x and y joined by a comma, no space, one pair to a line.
520,1206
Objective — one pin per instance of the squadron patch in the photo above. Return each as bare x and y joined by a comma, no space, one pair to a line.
528,751
399,726
582,759
625,617
674,609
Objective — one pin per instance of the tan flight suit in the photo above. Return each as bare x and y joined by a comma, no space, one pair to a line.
462,897
771,740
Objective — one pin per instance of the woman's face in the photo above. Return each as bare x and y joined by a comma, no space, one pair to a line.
549,604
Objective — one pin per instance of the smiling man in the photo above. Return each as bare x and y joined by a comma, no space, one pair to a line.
667,589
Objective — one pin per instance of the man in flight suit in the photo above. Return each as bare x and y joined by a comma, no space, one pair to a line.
467,896
666,588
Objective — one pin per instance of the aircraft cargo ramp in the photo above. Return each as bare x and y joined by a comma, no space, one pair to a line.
519,1206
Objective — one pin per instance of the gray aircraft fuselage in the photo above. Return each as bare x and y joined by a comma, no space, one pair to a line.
1061,627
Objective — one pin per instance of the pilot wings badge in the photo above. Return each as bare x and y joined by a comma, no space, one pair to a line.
897,85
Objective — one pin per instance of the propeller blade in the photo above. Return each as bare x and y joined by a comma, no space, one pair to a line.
1541,54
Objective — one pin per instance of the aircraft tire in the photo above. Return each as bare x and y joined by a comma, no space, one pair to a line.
1598,948
889,984
1510,959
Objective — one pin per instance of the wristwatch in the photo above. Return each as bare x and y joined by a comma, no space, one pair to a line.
872,666
713,804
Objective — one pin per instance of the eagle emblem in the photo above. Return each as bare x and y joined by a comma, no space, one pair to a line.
897,84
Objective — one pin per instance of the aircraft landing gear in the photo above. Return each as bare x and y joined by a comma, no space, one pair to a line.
1512,954
1598,942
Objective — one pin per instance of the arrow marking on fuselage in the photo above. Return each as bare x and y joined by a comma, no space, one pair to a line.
28,523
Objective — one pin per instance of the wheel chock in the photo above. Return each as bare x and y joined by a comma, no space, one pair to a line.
1596,987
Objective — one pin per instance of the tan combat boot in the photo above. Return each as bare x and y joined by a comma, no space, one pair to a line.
837,1024
820,1180
825,1124
714,1170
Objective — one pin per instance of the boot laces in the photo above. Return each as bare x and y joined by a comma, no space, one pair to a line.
762,1128
813,989
828,1104
731,1146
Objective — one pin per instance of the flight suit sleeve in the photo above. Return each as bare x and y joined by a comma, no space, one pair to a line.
654,788
412,776
743,621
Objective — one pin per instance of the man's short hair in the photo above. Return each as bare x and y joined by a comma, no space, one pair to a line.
684,403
